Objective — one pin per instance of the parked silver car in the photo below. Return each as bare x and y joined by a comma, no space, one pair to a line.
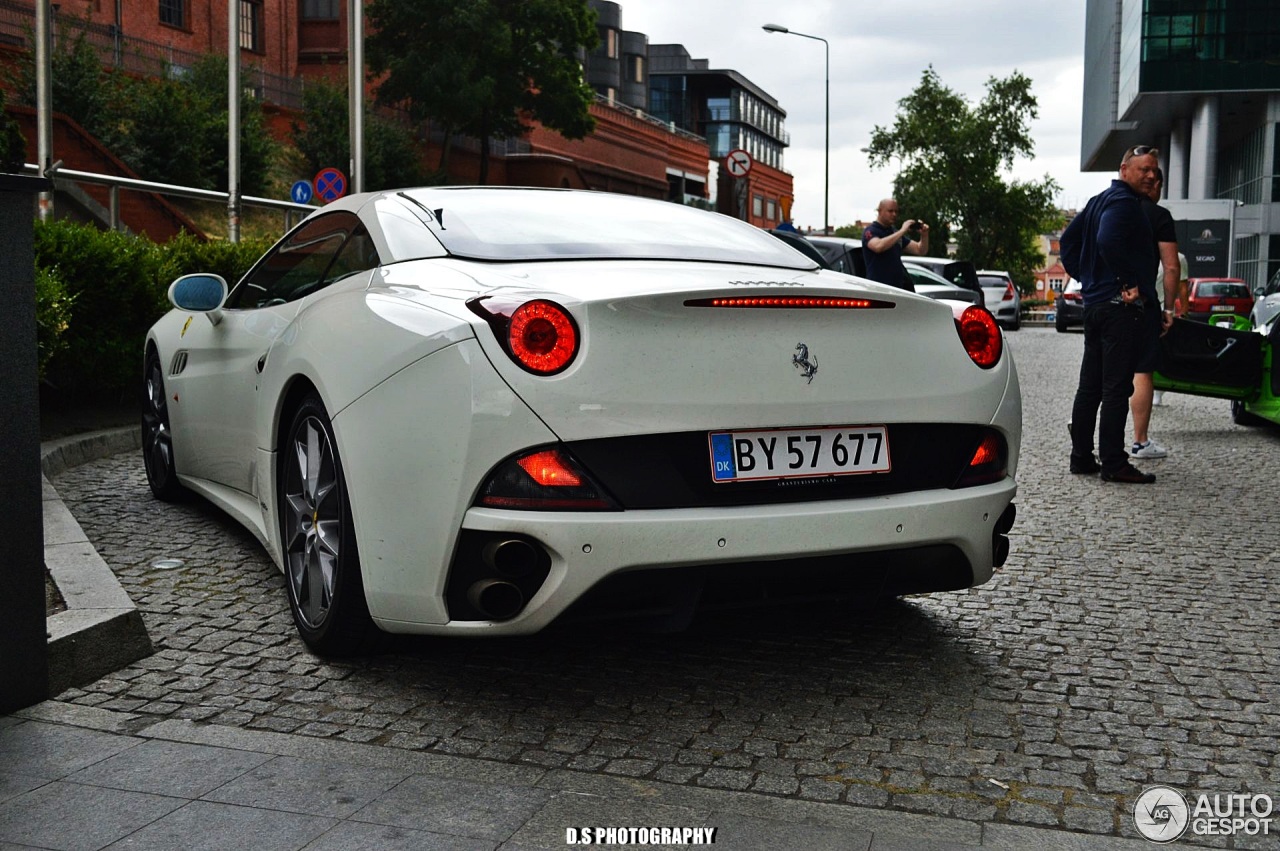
1002,298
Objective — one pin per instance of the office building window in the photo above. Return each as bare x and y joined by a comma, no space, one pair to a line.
611,43
251,25
637,69
319,10
757,205
173,13
771,210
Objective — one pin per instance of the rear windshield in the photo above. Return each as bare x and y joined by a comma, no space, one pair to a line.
992,281
1222,291
540,224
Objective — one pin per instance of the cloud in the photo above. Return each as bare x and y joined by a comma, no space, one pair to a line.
878,54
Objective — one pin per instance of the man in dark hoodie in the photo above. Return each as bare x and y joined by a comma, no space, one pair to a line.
1109,248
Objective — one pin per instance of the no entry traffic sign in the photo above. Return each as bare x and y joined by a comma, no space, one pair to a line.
331,184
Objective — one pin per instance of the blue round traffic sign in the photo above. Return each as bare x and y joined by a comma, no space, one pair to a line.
331,184
300,192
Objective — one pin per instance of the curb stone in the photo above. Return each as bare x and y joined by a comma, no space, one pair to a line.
101,630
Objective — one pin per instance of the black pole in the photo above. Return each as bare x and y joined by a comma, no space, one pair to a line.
24,669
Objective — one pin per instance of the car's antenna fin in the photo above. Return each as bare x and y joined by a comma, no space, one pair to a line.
437,214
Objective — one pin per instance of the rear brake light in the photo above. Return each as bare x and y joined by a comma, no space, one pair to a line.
979,334
793,302
1008,292
547,479
539,335
549,469
989,463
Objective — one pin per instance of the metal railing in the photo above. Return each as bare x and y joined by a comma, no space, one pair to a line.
140,56
670,127
115,183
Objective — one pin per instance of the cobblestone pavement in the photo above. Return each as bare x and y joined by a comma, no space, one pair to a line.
1131,639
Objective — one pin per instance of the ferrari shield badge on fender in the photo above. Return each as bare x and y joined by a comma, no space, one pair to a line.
185,326
808,365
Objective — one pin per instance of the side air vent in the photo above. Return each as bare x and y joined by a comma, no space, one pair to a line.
179,363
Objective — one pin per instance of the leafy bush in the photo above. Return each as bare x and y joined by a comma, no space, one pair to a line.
117,287
53,312
169,130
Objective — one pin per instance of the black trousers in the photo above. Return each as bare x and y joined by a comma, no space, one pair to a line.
1113,336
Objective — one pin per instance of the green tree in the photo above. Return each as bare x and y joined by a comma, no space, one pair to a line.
80,90
485,68
13,147
391,155
953,157
208,78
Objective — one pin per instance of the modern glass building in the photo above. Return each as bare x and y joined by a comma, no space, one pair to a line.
1200,79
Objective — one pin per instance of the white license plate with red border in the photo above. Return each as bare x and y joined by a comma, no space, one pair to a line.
790,453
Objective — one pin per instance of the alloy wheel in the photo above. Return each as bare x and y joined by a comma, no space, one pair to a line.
313,521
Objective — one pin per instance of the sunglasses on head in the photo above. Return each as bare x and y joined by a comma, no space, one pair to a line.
1140,151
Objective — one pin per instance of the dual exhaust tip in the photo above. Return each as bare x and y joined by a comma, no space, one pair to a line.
498,597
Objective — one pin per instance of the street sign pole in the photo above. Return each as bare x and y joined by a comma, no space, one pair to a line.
233,122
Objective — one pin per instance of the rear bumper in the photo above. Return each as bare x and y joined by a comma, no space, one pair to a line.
585,549
1069,313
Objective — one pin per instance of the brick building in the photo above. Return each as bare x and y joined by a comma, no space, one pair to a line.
286,42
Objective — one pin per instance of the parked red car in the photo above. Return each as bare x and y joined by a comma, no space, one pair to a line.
1212,296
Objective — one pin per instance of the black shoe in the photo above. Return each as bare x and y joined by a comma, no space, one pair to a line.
1130,475
1084,466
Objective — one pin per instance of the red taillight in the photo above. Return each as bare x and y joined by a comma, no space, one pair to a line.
539,335
1008,292
988,451
546,479
549,469
542,337
980,335
989,463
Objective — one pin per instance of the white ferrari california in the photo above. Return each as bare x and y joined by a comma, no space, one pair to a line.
481,410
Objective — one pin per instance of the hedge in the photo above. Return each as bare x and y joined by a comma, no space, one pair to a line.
101,290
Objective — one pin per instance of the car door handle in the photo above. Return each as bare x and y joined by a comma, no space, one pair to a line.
262,363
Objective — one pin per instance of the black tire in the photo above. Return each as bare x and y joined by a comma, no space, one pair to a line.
317,537
1016,324
1241,417
157,437
1060,322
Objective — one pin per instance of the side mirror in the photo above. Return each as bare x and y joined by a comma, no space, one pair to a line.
200,294
1259,292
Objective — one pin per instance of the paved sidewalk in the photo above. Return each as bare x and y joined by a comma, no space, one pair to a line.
233,736
82,778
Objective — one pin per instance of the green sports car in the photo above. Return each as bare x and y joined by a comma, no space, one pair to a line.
1210,360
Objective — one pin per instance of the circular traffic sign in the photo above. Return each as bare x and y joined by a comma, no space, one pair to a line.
300,192
331,184
738,162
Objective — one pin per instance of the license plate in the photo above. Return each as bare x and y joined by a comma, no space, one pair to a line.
1224,308
738,456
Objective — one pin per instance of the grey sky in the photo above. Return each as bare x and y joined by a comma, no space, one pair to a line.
878,52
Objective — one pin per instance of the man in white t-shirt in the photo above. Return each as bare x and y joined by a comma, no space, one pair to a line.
1181,308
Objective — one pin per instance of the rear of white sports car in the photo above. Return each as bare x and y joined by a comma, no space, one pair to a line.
637,436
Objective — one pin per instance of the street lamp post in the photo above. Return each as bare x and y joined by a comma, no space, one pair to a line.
826,178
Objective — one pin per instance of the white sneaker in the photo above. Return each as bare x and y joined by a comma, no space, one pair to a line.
1150,449
1157,398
